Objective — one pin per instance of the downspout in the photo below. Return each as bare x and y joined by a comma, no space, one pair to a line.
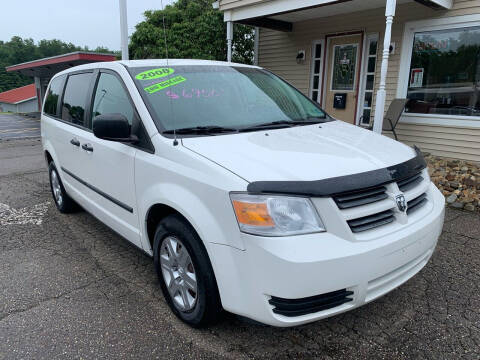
256,46
381,94
229,40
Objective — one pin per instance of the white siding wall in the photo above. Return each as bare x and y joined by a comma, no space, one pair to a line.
25,107
277,52
28,106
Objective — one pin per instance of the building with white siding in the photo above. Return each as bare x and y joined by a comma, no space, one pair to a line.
19,100
432,59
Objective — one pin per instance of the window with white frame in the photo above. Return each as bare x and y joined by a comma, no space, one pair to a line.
444,76
368,83
316,72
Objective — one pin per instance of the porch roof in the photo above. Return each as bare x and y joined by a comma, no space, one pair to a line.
47,67
280,14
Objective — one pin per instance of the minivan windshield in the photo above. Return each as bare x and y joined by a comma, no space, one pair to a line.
221,99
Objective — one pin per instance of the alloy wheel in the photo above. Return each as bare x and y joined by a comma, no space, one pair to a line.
178,273
56,188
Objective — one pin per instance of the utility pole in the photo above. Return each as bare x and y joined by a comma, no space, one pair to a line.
123,29
382,93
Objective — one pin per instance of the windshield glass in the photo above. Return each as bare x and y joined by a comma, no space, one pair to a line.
230,97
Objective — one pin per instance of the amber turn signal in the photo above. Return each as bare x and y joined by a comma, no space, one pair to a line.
253,214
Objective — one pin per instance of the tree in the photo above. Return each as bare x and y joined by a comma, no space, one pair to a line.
19,50
194,30
47,48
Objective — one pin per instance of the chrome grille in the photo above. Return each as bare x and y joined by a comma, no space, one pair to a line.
372,221
360,197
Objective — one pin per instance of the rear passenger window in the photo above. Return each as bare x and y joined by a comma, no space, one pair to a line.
73,107
110,97
53,95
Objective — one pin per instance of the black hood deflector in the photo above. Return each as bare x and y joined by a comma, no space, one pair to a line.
341,184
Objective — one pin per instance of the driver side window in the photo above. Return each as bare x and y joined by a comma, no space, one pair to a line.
111,98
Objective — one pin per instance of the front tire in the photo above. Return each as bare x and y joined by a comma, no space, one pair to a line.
185,272
64,203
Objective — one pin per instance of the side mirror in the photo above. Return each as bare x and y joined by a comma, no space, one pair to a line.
113,127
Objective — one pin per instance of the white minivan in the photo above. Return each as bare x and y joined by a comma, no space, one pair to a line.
248,196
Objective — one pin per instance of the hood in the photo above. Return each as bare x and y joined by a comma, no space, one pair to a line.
302,153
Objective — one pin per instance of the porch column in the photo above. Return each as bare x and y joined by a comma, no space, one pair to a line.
381,94
38,91
229,40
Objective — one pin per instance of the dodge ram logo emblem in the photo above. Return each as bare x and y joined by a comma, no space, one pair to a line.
401,202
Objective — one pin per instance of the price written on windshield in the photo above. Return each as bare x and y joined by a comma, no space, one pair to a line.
194,93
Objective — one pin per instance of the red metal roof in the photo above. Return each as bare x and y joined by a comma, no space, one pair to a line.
65,58
17,95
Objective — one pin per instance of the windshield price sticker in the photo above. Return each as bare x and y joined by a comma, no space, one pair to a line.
154,74
164,84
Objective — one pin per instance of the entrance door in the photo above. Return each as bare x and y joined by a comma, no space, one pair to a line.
342,74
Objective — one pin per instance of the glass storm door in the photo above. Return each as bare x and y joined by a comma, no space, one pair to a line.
342,77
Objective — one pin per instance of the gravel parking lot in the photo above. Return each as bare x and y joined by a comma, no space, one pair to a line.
71,288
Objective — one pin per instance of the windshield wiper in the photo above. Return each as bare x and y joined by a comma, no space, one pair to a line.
284,124
270,125
201,130
214,129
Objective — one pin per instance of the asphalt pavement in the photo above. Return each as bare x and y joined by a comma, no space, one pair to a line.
16,126
71,288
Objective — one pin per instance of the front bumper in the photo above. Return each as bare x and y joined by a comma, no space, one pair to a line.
310,265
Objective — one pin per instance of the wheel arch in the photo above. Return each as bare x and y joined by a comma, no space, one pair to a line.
155,214
49,153
212,220
48,157
159,211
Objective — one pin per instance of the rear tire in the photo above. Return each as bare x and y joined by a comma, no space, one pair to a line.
64,203
185,273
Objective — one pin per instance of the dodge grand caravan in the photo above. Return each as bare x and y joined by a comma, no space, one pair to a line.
248,196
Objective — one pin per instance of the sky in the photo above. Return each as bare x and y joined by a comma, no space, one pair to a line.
89,23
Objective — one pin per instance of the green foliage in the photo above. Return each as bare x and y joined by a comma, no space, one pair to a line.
194,30
19,50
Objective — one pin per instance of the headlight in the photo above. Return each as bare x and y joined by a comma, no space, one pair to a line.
275,215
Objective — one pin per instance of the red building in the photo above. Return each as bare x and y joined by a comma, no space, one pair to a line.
42,70
20,100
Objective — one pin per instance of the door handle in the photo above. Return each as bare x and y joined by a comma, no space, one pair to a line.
75,142
87,147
